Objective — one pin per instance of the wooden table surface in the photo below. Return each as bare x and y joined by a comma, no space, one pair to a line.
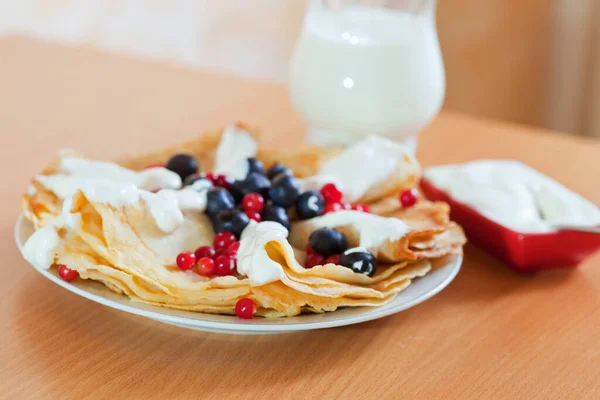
490,334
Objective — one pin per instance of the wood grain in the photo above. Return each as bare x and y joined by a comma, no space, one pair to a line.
490,334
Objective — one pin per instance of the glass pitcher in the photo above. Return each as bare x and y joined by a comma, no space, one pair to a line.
367,67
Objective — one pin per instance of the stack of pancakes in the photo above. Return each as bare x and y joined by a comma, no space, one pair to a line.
122,248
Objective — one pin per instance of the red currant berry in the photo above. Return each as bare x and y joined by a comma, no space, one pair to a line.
220,252
313,260
245,308
223,240
66,273
333,259
253,215
345,205
331,193
233,249
309,250
204,251
361,207
186,260
224,265
253,202
223,181
211,177
154,165
332,207
409,197
206,266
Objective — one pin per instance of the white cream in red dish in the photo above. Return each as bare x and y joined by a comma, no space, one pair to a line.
209,227
514,195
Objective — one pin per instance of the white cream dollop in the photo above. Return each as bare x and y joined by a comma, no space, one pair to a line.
40,248
253,260
360,167
164,210
109,183
200,185
148,179
235,148
514,195
75,173
114,193
373,230
188,199
167,205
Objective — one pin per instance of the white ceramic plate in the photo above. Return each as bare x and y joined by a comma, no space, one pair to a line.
420,290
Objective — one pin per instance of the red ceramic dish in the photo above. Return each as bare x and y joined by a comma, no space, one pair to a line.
523,252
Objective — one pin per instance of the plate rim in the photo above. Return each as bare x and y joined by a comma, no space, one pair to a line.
241,326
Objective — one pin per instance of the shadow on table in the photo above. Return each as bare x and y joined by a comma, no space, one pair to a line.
484,280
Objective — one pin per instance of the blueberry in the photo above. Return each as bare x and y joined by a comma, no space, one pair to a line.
284,190
255,165
273,212
233,221
360,262
183,165
217,200
327,241
254,182
277,169
310,204
197,182
236,191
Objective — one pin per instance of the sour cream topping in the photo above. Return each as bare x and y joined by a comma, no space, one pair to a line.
235,148
81,169
109,183
253,260
373,230
40,248
514,195
74,173
360,167
165,207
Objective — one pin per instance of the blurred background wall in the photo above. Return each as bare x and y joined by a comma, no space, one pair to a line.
527,61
